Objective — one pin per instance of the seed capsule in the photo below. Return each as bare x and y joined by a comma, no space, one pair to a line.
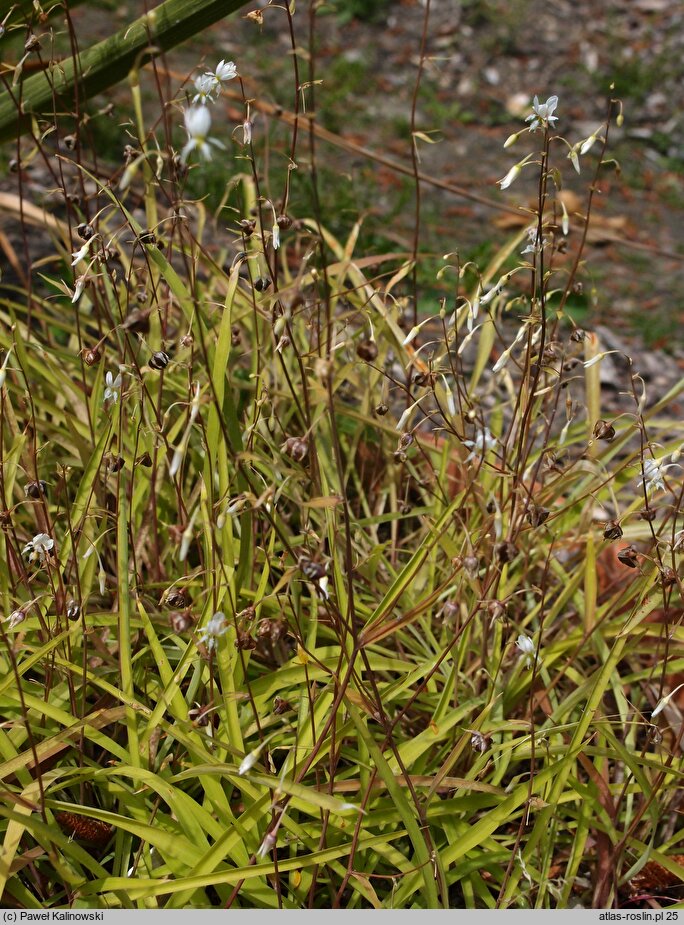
159,360
91,357
296,448
85,231
381,410
284,222
629,556
180,622
247,225
73,610
178,598
604,431
312,569
261,283
668,576
578,335
144,460
612,530
537,515
367,350
36,489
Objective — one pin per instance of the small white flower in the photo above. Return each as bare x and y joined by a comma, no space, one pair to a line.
112,387
205,85
534,247
512,175
225,70
78,290
39,547
574,159
247,132
15,618
82,253
267,845
588,143
483,442
543,113
652,477
197,125
275,230
527,649
3,368
215,628
663,702
248,762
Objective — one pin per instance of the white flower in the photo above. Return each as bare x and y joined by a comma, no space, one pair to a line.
214,629
275,230
543,113
483,442
527,648
512,175
248,762
39,547
246,132
80,254
589,142
653,474
3,368
534,247
80,286
205,85
225,70
574,159
197,125
267,845
663,702
112,387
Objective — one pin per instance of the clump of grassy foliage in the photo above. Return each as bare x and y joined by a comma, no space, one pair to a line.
310,600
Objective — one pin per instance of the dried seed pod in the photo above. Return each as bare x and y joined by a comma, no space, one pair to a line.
479,742
648,514
604,431
284,222
73,610
668,576
367,350
296,448
187,340
405,441
235,336
32,43
612,530
116,463
281,706
85,231
35,490
496,609
578,335
178,598
629,556
505,551
261,283
91,357
159,360
147,237
264,628
312,569
144,460
471,564
180,621
537,515
381,410
5,518
247,226
245,641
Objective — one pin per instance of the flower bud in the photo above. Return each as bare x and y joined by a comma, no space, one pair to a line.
15,618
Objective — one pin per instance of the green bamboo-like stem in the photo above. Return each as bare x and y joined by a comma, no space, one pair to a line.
108,62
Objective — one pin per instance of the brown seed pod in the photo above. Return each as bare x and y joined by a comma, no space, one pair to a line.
578,335
245,641
73,610
479,742
35,490
367,350
85,231
668,576
505,551
178,598
471,564
235,336
199,716
180,621
144,460
247,226
312,569
537,515
284,222
262,283
281,706
612,530
296,448
381,409
116,463
604,431
159,360
629,556
91,357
